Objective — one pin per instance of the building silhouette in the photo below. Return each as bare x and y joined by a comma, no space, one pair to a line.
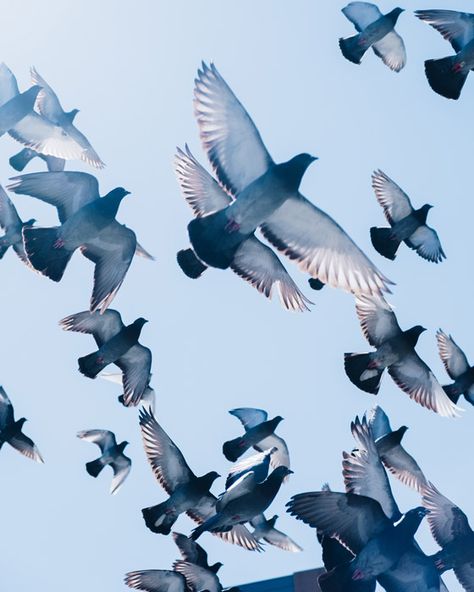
301,581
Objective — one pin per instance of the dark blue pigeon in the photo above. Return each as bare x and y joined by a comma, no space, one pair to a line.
458,368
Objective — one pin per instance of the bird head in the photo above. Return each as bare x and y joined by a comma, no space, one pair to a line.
417,514
281,472
276,420
122,445
422,213
210,477
216,567
395,13
272,520
30,222
140,322
414,333
293,170
20,422
72,114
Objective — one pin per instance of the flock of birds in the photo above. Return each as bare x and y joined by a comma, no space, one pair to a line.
364,536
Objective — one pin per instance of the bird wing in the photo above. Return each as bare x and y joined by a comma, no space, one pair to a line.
281,456
142,252
447,522
8,215
166,460
352,519
112,251
379,422
426,243
249,417
258,264
391,50
401,464
198,578
255,462
228,134
88,153
279,539
26,446
395,202
190,550
6,409
320,247
414,572
104,439
156,580
456,27
47,101
377,319
8,84
121,466
415,378
243,485
363,471
68,191
361,14
136,368
465,574
202,192
452,356
102,326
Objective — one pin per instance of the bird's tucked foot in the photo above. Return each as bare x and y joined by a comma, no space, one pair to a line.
358,575
58,243
232,226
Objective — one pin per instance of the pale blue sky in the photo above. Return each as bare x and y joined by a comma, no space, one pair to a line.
217,343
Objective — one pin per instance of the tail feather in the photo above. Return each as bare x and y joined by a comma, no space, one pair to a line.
95,467
91,364
444,78
190,264
356,366
384,242
45,251
160,518
20,160
353,49
233,449
453,392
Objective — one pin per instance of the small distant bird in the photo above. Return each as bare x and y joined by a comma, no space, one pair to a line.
451,530
112,455
53,137
251,418
265,529
258,463
11,430
118,344
458,368
406,224
148,397
253,261
396,352
192,552
20,160
187,493
233,449
13,226
156,580
448,75
246,504
375,30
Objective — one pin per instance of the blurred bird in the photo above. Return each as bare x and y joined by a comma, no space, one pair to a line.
375,30
11,430
187,493
13,226
396,352
253,261
15,108
156,580
49,132
458,368
266,196
265,529
118,344
192,552
112,455
251,418
148,397
406,224
448,75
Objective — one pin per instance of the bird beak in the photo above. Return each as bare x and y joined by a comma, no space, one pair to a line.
127,192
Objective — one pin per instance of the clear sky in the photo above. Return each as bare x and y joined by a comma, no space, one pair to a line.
217,343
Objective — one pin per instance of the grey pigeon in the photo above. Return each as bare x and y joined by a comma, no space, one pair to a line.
448,75
406,224
265,529
252,418
20,160
258,463
458,368
118,344
249,501
267,197
395,350
375,30
112,455
451,530
87,221
38,132
192,552
13,226
156,580
187,493
198,578
15,108
11,430
233,449
253,261
148,397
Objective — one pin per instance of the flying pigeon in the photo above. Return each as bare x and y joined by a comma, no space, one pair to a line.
258,463
266,196
156,580
54,137
265,529
396,352
192,552
148,397
87,221
13,226
250,418
11,430
251,498
118,344
448,75
198,578
458,368
15,108
112,454
375,30
233,449
253,261
20,160
406,224
187,493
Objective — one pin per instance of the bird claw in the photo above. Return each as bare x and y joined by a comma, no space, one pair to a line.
232,226
358,575
58,244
